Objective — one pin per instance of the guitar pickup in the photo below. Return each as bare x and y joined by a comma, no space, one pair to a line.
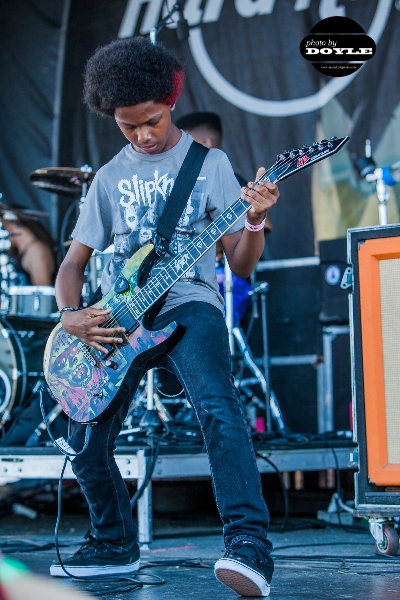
125,319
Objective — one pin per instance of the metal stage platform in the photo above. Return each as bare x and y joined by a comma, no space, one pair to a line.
18,463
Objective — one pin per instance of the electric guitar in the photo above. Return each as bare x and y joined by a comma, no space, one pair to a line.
91,386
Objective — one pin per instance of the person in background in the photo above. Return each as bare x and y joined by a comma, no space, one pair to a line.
32,249
206,128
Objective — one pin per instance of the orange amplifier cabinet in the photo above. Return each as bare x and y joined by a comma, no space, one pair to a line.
379,272
375,322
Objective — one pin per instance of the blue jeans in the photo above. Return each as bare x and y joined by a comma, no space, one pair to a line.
202,363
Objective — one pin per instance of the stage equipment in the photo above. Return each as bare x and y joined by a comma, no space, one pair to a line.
183,28
35,301
67,181
380,177
294,339
334,299
374,253
21,360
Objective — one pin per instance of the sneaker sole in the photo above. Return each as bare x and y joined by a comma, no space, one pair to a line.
57,571
241,579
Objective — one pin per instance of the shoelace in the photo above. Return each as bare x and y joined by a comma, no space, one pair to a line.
91,542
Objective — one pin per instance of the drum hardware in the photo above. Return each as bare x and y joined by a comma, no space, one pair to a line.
12,214
66,181
34,438
32,301
236,335
21,364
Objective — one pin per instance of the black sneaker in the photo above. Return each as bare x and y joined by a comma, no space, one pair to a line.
95,558
245,570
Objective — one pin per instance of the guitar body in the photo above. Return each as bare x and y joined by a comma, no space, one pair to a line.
92,390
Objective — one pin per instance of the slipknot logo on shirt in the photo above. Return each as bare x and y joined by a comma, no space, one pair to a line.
145,192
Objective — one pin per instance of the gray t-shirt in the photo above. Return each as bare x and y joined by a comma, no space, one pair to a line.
126,199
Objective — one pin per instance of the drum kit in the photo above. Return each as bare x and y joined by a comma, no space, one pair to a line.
28,313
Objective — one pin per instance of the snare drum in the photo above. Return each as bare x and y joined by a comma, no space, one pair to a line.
32,301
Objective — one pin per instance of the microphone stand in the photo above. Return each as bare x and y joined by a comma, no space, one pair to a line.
182,25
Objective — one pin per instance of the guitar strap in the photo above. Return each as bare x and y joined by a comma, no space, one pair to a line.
179,196
177,200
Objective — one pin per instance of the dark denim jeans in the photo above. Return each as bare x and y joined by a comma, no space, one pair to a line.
201,361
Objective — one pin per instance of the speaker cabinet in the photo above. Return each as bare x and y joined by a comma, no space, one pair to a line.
334,299
375,321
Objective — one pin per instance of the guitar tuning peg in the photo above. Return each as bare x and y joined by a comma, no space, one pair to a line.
280,157
323,141
333,138
294,152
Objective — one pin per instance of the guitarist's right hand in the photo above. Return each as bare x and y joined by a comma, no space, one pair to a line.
85,325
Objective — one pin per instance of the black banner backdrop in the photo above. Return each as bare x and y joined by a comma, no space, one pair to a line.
243,62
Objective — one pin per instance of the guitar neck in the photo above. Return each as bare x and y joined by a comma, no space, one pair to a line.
287,164
180,264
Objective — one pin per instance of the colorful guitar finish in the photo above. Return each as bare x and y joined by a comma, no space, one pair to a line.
90,386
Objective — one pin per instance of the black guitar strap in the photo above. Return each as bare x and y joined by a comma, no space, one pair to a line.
179,196
177,200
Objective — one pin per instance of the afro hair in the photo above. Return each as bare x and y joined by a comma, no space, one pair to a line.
131,71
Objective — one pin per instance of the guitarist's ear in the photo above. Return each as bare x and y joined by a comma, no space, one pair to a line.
172,106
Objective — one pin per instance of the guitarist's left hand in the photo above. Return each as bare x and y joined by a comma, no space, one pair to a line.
262,196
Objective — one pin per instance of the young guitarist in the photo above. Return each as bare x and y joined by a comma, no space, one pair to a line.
137,84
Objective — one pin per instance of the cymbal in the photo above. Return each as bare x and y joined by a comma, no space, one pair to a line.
61,180
11,214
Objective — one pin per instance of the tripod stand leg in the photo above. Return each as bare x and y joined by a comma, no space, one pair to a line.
249,361
271,405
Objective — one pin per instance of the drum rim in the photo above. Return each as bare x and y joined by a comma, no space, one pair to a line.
31,290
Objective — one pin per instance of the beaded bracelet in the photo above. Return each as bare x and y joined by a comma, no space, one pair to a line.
251,227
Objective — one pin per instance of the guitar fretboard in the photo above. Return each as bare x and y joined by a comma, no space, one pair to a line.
177,267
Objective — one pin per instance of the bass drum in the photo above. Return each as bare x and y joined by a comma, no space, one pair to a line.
21,366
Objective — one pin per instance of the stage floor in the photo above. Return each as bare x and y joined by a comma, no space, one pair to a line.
330,563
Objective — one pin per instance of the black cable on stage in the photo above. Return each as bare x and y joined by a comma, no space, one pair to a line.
284,490
119,583
148,476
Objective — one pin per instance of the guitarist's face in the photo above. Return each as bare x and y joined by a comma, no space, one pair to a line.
148,127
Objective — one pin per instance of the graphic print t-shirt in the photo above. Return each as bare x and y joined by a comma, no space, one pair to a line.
126,199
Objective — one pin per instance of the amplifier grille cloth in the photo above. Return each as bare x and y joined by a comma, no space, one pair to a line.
389,273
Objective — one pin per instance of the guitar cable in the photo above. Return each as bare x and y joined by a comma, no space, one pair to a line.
117,583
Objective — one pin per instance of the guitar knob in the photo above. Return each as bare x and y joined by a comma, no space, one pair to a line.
330,145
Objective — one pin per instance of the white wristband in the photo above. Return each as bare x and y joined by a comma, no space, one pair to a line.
251,227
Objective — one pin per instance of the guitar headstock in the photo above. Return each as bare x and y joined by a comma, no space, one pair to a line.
290,162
